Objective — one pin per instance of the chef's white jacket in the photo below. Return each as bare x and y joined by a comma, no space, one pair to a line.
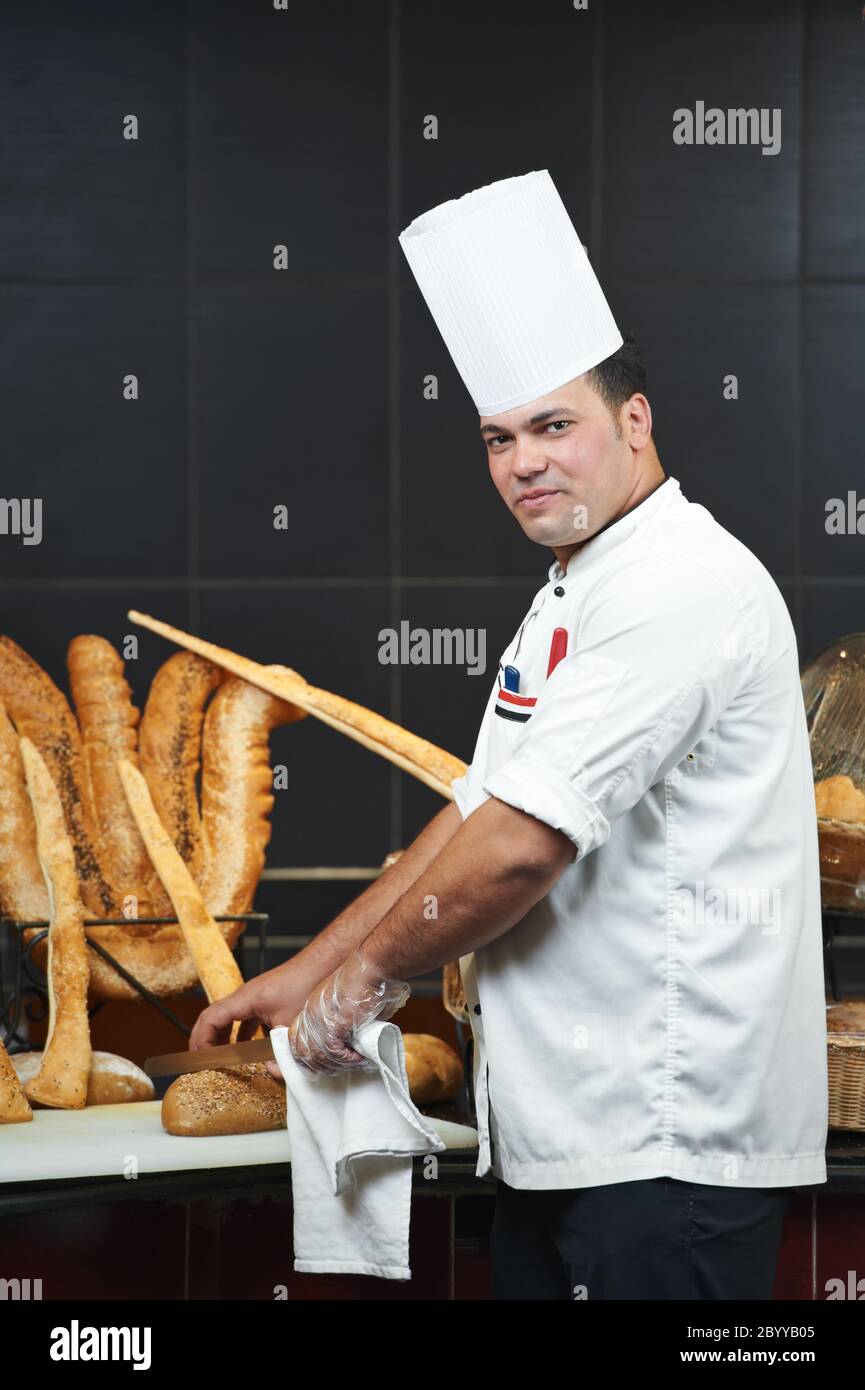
661,1012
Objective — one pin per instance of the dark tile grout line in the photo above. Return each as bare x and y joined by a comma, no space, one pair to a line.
650,280
798,497
435,581
596,249
192,458
394,456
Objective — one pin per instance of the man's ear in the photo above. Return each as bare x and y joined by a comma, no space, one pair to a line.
637,421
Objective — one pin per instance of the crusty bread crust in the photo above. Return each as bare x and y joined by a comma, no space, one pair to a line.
112,1080
14,1106
62,1078
233,1100
430,764
236,791
433,1067
217,969
838,798
108,721
170,748
23,894
41,712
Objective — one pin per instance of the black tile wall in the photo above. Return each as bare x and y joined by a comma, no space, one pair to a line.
335,810
833,334
258,387
510,87
834,138
288,138
290,410
81,199
686,211
737,456
110,470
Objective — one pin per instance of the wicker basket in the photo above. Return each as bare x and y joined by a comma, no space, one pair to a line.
846,1048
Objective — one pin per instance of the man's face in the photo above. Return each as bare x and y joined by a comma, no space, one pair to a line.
558,463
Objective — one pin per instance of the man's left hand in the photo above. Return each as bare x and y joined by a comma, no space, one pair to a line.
321,1035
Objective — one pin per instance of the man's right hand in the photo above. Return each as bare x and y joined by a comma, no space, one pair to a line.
271,999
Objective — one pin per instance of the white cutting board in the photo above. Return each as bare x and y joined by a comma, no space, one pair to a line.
113,1140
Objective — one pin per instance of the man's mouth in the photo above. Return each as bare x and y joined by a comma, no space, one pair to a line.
536,497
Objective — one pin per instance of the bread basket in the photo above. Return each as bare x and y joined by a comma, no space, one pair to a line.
833,688
845,1024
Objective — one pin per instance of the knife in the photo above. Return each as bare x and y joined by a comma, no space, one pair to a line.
211,1058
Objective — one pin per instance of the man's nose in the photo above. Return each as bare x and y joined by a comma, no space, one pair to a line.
528,458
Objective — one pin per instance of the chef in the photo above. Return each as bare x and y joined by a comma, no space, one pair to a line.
629,872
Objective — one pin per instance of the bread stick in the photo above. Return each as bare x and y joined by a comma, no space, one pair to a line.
63,1076
217,969
430,764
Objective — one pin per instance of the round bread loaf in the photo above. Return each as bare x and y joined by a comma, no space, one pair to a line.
838,798
248,1100
233,1100
434,1069
112,1079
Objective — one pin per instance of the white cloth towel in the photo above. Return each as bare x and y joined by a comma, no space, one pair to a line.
352,1139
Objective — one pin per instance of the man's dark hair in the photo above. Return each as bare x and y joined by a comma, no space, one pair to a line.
618,377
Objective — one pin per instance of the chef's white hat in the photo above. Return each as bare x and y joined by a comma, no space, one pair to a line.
510,286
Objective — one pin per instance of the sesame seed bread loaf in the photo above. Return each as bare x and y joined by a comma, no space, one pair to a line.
232,1100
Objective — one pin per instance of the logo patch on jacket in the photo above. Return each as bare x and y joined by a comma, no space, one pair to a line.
512,706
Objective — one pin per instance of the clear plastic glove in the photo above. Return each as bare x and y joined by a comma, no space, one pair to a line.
321,1035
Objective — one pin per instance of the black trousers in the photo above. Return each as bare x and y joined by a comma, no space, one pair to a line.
654,1238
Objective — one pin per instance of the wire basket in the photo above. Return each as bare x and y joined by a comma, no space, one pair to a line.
846,1055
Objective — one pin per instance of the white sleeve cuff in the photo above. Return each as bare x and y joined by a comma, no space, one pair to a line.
460,791
549,797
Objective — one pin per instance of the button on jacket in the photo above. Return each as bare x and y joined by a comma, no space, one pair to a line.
661,1012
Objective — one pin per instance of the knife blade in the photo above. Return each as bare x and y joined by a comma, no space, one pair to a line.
211,1058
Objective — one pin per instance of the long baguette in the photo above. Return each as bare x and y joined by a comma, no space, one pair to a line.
41,713
23,894
63,1075
237,791
170,748
424,760
217,969
108,721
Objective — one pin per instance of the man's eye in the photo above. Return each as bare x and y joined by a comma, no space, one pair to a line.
557,422
497,437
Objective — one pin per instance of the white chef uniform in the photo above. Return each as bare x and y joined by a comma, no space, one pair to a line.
661,1011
